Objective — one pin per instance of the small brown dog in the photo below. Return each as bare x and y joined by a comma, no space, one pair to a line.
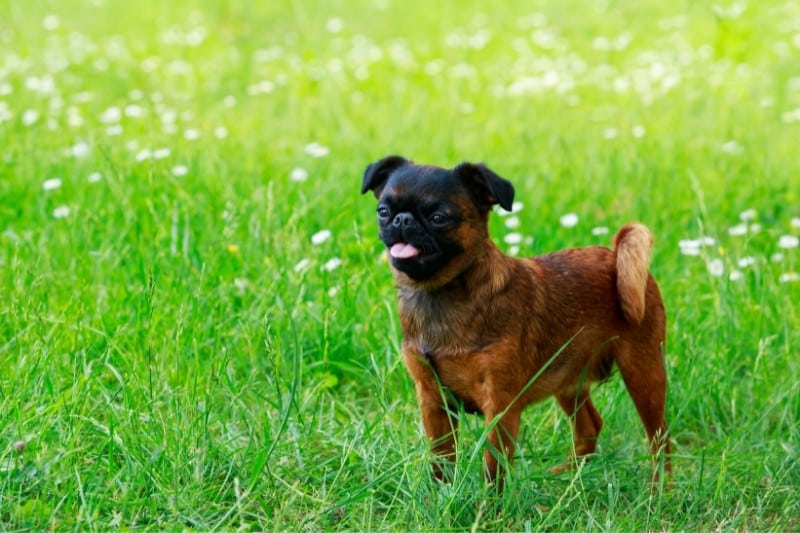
496,333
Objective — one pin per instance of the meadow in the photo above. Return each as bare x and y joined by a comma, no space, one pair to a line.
197,325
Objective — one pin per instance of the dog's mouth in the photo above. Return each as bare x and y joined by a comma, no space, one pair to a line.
419,261
404,250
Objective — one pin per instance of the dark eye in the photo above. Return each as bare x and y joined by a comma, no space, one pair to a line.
438,219
383,212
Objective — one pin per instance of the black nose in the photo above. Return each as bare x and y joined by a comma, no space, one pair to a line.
403,220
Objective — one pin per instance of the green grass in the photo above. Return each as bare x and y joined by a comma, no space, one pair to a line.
176,352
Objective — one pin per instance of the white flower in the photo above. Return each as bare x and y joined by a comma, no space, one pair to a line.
168,116
333,291
787,277
144,155
569,220
220,132
262,87
74,117
5,112
609,133
638,131
716,267
731,147
94,177
316,149
161,153
788,241
50,22
791,116
332,264
690,250
113,131
334,25
192,134
61,211
298,174
81,150
302,265
30,116
748,214
600,230
745,262
134,111
513,250
693,246
512,238
776,257
795,222
51,184
735,275
738,230
111,115
180,170
321,236
512,222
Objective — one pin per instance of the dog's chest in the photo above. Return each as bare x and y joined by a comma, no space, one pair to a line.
439,326
447,340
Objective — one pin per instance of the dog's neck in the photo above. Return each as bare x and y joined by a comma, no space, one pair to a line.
429,314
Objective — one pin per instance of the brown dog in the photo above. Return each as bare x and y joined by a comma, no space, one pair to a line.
497,333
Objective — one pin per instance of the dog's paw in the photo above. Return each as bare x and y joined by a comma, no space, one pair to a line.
562,468
572,463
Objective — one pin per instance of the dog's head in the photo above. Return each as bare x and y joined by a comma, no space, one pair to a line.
434,220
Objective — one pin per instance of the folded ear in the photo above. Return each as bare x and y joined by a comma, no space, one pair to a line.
378,172
487,187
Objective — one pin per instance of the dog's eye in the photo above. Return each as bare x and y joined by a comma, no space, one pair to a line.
383,212
438,219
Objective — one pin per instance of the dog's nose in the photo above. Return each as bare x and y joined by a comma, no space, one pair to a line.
403,220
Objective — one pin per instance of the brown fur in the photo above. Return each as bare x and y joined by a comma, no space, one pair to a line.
485,324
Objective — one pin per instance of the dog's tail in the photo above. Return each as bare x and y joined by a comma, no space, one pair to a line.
632,245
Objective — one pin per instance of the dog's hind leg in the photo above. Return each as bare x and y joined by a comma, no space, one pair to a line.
586,425
646,380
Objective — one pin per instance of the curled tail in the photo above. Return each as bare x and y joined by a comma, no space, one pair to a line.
632,246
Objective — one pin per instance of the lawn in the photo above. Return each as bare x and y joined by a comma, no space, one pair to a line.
197,325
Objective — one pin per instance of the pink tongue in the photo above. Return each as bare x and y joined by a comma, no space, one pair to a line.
402,250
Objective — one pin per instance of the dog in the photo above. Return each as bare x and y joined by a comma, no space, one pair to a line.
492,333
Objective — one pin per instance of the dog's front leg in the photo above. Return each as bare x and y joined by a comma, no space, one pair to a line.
440,426
441,430
502,443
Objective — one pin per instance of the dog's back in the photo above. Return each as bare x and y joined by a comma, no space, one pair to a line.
596,305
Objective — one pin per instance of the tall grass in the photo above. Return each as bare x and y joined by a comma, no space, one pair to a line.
196,325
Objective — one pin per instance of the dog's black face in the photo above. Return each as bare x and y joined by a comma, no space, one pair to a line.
431,216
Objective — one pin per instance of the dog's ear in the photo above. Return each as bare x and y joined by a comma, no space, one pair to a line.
487,187
378,172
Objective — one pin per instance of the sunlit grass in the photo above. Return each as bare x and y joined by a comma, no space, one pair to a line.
197,328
